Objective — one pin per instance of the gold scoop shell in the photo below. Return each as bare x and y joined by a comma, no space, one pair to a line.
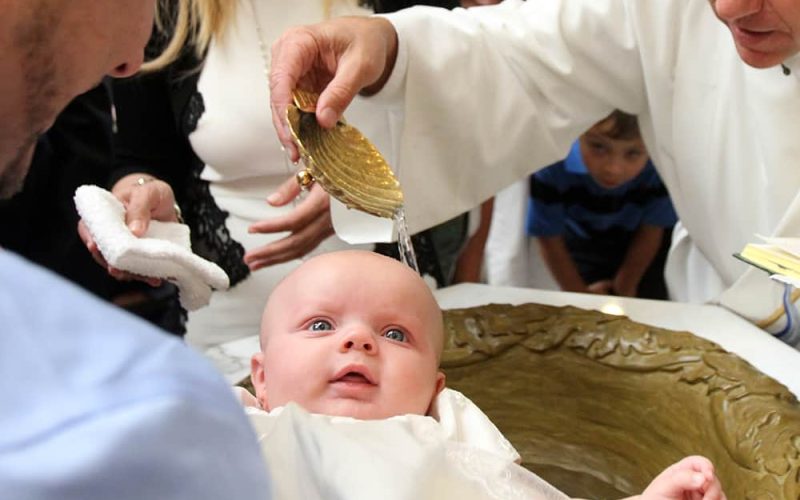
345,163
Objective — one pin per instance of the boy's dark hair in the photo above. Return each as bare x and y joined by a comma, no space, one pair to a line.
623,126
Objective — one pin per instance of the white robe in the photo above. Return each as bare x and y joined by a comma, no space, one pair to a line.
458,455
490,94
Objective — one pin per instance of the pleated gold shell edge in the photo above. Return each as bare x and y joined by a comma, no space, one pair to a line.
386,205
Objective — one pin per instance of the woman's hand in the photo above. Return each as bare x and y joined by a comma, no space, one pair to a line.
308,224
145,198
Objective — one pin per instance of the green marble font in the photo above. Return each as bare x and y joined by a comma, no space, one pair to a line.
599,404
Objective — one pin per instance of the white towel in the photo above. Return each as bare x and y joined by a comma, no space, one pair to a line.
163,252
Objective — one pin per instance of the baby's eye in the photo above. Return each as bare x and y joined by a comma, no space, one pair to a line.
320,325
395,334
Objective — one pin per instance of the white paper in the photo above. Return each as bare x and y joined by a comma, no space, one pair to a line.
790,245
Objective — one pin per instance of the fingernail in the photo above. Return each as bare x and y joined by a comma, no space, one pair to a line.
327,115
135,226
274,198
697,479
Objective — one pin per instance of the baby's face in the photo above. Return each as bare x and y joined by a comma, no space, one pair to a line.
351,334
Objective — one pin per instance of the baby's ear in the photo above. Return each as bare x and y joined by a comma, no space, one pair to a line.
439,387
258,377
440,382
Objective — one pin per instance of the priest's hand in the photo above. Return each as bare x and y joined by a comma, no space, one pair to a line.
337,59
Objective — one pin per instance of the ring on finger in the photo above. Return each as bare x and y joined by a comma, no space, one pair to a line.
141,181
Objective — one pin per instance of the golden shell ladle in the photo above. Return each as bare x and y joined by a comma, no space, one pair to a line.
344,162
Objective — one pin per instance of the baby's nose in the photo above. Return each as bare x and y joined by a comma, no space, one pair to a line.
359,338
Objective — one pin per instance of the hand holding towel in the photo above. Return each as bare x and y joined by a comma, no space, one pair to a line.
163,252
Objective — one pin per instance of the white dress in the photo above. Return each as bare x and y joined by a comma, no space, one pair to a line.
244,161
456,454
511,86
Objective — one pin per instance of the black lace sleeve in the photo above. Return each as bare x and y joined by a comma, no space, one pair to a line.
210,236
155,113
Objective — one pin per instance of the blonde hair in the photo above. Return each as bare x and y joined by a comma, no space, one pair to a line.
194,23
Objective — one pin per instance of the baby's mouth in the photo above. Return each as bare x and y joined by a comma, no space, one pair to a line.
354,375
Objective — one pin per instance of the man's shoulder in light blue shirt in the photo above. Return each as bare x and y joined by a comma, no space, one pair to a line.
96,403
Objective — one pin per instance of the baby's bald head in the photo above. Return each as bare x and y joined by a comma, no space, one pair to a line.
370,273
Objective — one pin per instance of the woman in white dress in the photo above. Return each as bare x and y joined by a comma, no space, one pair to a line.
202,123
199,125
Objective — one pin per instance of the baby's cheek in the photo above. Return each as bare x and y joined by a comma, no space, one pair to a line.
423,396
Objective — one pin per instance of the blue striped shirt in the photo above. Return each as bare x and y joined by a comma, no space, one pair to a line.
565,200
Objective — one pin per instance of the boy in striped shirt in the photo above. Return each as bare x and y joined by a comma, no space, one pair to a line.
602,216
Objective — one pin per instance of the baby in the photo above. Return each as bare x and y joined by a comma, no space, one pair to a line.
356,334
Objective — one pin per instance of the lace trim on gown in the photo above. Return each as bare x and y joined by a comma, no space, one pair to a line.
210,236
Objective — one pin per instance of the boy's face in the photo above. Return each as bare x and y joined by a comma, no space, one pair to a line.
352,334
612,162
